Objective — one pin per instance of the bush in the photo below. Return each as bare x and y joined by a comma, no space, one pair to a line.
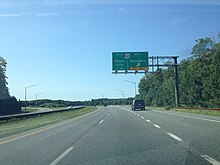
168,107
9,106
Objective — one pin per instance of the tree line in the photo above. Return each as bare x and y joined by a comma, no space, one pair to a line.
199,79
109,101
47,103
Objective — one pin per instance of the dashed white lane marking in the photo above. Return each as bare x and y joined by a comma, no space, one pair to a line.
57,160
142,117
175,137
210,160
108,114
101,121
148,121
157,126
138,115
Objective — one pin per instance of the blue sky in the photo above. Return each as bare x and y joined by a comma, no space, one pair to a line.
65,46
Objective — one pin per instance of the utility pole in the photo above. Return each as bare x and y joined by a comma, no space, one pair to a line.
176,81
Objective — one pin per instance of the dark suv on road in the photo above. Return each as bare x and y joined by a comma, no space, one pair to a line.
138,104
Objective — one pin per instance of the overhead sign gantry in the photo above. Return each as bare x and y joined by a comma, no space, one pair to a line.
139,62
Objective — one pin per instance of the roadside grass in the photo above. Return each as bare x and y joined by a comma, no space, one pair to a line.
155,108
57,108
194,111
199,111
14,126
35,109
29,109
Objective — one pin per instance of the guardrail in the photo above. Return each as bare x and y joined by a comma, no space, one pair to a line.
23,115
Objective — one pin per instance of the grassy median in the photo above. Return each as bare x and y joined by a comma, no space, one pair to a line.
19,125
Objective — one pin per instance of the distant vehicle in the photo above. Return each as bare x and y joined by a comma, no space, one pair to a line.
138,104
105,105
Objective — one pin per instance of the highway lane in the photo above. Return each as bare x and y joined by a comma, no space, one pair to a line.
36,147
200,133
115,135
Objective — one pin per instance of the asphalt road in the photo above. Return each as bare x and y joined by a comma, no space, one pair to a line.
116,135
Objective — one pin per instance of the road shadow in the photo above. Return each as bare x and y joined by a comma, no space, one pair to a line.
146,110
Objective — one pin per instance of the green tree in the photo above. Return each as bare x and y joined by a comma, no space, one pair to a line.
184,83
203,48
4,93
213,85
203,72
199,79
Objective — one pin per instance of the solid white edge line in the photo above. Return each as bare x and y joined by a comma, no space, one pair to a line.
174,136
148,121
199,118
101,121
210,160
157,126
57,160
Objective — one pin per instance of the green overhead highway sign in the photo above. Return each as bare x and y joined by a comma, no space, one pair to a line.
129,61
